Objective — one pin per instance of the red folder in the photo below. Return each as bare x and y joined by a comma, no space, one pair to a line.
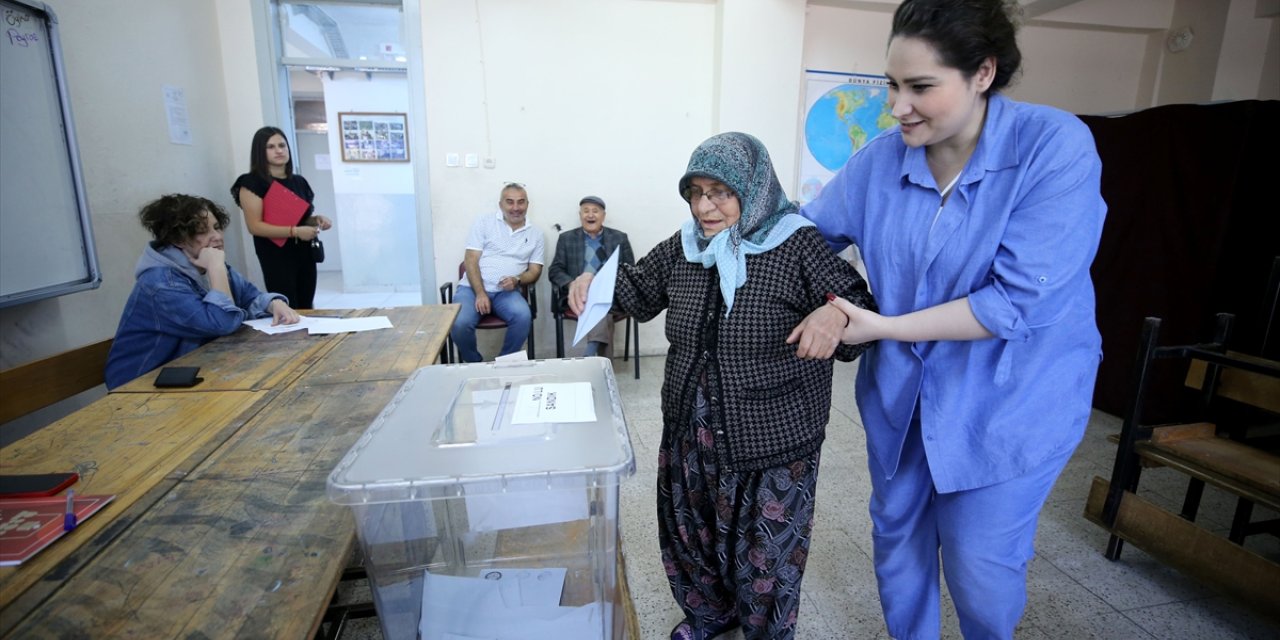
28,525
283,207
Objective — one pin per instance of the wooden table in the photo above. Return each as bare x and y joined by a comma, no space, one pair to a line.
221,526
253,360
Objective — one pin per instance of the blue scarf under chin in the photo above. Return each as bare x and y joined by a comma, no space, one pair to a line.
730,259
740,162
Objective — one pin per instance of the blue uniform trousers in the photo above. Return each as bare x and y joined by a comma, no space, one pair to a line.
985,536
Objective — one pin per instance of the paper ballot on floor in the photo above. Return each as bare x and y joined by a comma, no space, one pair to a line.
599,298
504,604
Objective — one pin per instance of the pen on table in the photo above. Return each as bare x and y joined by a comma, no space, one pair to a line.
69,520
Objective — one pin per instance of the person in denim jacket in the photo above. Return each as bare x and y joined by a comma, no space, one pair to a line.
186,294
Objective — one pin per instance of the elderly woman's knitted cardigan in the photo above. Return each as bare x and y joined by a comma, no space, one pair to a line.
769,406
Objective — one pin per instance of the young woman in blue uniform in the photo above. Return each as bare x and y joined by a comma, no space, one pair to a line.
978,218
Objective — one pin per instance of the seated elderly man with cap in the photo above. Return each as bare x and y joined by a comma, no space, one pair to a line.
585,250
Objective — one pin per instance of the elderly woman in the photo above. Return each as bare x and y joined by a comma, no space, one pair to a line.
186,294
744,417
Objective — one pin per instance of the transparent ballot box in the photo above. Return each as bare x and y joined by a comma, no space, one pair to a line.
486,501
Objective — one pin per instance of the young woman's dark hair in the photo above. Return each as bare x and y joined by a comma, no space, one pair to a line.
258,153
177,218
964,32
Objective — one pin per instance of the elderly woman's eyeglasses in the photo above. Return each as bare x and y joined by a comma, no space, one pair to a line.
718,196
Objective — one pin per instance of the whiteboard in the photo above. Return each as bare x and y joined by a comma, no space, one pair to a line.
46,242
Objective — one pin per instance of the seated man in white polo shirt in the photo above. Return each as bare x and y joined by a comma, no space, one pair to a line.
504,251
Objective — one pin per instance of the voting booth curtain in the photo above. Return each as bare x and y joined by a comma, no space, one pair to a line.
1191,231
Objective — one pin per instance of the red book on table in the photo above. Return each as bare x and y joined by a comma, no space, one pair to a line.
282,207
28,525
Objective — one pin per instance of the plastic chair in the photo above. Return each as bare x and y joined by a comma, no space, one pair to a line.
489,321
562,313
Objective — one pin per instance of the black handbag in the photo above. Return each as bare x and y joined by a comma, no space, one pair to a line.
317,250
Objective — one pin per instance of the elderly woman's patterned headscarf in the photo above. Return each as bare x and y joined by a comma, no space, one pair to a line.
741,162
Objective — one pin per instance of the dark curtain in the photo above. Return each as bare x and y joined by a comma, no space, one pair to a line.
1192,229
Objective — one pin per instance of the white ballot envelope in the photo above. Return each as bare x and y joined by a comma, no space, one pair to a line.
599,298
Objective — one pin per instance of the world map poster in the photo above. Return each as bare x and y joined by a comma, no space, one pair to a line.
842,112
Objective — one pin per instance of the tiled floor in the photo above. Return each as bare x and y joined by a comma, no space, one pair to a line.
1073,591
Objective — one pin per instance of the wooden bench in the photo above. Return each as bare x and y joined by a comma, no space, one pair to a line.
38,384
1199,450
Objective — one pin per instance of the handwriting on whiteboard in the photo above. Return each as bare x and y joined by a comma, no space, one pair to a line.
18,33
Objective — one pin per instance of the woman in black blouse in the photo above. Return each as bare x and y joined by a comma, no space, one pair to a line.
283,223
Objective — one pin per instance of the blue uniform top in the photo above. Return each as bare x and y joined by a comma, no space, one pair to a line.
1017,237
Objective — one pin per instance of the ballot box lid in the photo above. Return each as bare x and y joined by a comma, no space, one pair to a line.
488,427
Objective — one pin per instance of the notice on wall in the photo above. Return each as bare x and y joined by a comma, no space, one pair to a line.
175,111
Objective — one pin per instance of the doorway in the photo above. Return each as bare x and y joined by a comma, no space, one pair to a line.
344,64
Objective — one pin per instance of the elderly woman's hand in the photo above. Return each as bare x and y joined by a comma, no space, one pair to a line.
818,335
578,292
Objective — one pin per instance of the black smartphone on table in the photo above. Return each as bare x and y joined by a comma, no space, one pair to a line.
35,485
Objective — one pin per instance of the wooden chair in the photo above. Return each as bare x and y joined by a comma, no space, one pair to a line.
562,313
1217,453
489,321
38,384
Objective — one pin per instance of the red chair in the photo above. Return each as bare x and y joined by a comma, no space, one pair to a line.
489,321
562,313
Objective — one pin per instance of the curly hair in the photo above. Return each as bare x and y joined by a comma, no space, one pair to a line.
965,33
177,218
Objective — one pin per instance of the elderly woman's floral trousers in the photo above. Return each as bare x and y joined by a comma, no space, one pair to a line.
734,545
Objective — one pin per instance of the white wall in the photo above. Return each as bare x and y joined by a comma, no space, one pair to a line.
1054,53
1053,56
117,57
238,48
759,73
1239,75
570,96
604,97
1187,76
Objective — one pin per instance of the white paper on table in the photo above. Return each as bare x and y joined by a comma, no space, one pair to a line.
527,502
264,325
554,402
599,298
343,325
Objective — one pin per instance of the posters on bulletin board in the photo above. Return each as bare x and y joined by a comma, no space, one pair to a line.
374,137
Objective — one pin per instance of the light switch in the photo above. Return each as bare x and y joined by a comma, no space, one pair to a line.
473,160
450,159
490,163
